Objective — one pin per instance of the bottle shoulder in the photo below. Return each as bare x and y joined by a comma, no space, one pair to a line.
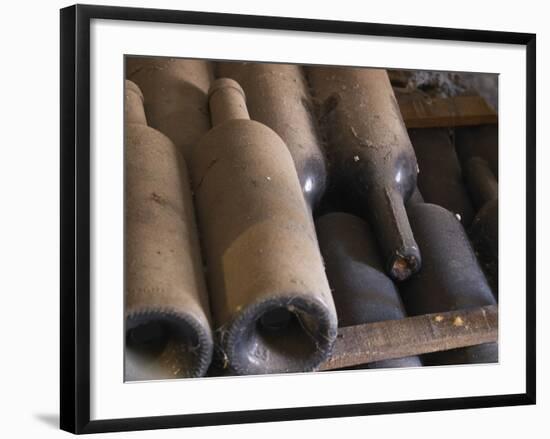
141,133
240,132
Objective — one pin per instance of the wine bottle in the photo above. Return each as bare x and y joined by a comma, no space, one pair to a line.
269,293
482,184
362,292
484,229
440,177
450,279
168,333
277,96
175,92
416,197
370,155
478,141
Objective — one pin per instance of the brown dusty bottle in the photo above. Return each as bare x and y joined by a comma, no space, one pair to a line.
484,228
362,291
370,155
168,333
278,96
176,96
478,141
450,279
440,177
270,296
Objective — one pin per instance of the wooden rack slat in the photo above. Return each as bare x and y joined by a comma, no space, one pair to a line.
446,112
417,335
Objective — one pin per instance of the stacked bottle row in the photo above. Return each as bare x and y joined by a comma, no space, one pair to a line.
260,144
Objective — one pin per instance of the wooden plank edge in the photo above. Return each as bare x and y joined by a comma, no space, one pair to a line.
361,344
446,112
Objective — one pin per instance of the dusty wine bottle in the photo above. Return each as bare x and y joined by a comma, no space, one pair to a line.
484,229
450,279
370,155
416,197
440,178
481,181
168,333
270,296
362,291
277,96
478,141
176,96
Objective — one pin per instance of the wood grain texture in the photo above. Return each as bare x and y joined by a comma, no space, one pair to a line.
446,112
417,335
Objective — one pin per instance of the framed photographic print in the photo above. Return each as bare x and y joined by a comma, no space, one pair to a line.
268,218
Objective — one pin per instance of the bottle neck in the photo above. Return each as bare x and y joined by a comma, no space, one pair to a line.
391,224
227,101
481,181
133,104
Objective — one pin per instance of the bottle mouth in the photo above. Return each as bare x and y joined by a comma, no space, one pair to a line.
404,266
279,336
222,83
161,345
277,320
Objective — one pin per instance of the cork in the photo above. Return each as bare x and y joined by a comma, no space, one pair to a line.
175,94
278,96
270,297
168,333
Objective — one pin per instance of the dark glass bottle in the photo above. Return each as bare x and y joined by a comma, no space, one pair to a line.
482,184
277,96
362,292
478,141
484,229
370,155
269,293
450,279
168,332
416,197
440,178
176,96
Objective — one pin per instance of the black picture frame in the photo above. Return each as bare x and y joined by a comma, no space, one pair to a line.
75,217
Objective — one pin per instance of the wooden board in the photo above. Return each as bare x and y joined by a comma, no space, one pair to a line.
399,78
446,112
371,342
